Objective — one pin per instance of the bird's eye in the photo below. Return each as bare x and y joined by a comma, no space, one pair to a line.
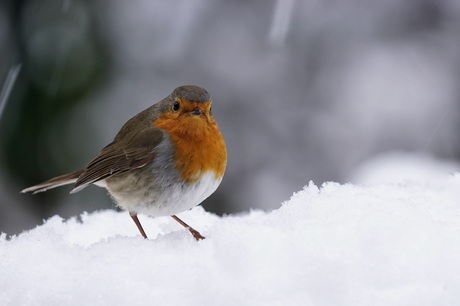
176,106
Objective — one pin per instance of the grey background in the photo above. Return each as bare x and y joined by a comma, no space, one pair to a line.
302,90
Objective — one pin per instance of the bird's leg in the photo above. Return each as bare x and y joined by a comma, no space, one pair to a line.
138,224
192,231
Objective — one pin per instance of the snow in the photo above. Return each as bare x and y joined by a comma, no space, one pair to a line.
394,167
380,244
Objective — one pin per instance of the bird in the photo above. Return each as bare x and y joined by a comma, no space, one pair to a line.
163,161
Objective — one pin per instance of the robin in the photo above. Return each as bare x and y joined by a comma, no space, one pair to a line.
165,160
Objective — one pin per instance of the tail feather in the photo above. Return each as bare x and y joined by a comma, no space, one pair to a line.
69,178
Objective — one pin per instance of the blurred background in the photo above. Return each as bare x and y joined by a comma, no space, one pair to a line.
347,91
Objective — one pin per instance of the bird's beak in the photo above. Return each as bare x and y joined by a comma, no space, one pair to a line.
196,111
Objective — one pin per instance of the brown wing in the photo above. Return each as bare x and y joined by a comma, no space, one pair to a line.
122,155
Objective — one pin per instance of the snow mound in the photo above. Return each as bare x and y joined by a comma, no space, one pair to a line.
329,245
391,167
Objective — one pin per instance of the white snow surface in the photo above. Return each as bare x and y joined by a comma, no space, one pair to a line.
395,167
386,244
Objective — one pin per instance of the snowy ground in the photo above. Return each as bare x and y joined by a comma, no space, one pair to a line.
382,244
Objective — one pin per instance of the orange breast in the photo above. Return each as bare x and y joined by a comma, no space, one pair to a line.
199,145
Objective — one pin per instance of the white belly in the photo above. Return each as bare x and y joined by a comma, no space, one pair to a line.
174,199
